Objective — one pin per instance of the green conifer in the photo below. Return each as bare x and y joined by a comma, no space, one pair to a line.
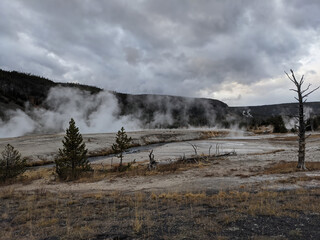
11,163
121,144
72,158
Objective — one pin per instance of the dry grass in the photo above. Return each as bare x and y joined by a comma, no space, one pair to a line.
213,134
42,162
293,180
290,167
138,169
40,173
142,215
31,175
107,172
293,138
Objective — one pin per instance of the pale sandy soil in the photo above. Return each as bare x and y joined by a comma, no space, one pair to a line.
254,153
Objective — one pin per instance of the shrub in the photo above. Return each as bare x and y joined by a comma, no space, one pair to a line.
278,124
11,163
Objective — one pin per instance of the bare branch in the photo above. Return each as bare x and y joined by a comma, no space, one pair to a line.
301,80
293,90
152,163
290,77
195,147
302,92
310,92
294,78
151,156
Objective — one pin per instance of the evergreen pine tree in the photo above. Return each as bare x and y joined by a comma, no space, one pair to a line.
122,143
11,164
72,158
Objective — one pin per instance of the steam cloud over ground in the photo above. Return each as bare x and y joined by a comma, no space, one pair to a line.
105,112
93,114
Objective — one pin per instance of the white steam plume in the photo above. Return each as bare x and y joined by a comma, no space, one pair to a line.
93,113
19,124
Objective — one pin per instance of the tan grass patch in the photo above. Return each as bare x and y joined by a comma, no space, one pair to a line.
290,167
31,175
31,163
96,195
7,193
40,173
213,134
293,180
138,169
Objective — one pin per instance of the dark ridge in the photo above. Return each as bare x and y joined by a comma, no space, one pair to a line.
285,109
17,88
83,87
184,111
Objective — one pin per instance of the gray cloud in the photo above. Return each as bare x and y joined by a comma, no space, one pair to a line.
167,47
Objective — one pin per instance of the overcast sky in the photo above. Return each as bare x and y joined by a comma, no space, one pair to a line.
235,51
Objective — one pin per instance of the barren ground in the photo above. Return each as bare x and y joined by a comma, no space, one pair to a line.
247,195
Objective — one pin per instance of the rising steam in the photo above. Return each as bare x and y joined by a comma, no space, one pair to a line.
93,113
101,113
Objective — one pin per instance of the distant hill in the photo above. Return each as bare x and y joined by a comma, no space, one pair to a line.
18,88
285,109
183,111
153,111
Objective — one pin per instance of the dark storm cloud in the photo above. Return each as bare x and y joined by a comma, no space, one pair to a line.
168,47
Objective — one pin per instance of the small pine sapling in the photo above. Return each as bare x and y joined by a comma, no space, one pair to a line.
11,163
122,143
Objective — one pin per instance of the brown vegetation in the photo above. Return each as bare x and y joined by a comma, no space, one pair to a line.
99,215
213,134
290,167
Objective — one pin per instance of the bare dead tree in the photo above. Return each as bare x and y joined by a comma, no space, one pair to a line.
210,150
217,149
302,98
195,148
152,163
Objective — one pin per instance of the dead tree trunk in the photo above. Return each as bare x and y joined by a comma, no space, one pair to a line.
152,163
302,133
195,147
302,94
